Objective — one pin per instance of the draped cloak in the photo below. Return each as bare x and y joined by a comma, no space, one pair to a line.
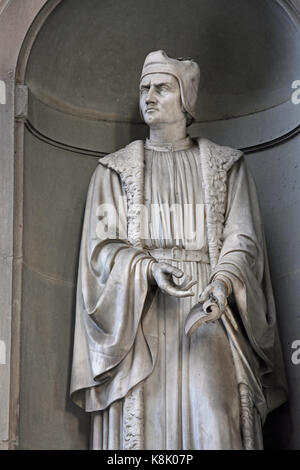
121,354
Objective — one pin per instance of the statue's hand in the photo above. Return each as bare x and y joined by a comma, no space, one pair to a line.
214,294
162,274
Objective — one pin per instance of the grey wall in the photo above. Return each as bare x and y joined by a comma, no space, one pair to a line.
55,190
277,175
82,77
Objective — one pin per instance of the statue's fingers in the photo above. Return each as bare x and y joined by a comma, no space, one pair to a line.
168,268
221,304
177,292
183,293
205,294
187,285
221,300
221,291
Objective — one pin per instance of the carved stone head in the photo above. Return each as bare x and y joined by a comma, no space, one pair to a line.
168,89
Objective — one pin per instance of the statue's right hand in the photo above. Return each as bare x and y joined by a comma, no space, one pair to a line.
163,275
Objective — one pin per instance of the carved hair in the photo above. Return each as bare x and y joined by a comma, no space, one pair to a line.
189,118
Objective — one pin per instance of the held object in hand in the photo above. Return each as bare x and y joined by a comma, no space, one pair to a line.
202,313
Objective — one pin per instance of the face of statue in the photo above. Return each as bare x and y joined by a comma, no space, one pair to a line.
160,99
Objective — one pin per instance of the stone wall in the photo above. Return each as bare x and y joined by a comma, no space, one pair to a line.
81,58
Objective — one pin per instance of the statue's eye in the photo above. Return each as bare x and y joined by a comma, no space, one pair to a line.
164,88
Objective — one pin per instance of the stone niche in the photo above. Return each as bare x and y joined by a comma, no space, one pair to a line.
82,76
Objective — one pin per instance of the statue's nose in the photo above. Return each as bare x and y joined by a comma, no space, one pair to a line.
150,95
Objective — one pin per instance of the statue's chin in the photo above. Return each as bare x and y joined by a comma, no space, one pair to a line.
151,121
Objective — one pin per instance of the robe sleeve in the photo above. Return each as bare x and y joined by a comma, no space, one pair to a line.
243,260
113,349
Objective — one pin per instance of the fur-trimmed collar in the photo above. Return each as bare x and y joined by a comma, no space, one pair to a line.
128,158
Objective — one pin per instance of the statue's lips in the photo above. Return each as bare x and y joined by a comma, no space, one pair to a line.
150,110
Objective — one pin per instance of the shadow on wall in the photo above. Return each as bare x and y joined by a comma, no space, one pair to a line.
274,436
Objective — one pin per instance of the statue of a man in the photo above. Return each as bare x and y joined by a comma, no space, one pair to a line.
176,344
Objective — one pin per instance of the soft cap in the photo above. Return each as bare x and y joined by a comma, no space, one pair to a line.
186,71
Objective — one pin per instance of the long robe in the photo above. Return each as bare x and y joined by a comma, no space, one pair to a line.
128,333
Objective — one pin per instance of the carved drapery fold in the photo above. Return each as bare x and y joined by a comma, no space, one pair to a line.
247,416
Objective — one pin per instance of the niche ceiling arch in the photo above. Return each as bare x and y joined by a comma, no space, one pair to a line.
86,60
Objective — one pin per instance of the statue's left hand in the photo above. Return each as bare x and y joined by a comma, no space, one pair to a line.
215,292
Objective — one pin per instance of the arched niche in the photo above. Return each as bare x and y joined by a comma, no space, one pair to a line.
248,53
80,64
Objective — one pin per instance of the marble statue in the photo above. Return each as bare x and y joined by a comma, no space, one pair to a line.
176,344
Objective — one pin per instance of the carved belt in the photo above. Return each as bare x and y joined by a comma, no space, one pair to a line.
179,254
